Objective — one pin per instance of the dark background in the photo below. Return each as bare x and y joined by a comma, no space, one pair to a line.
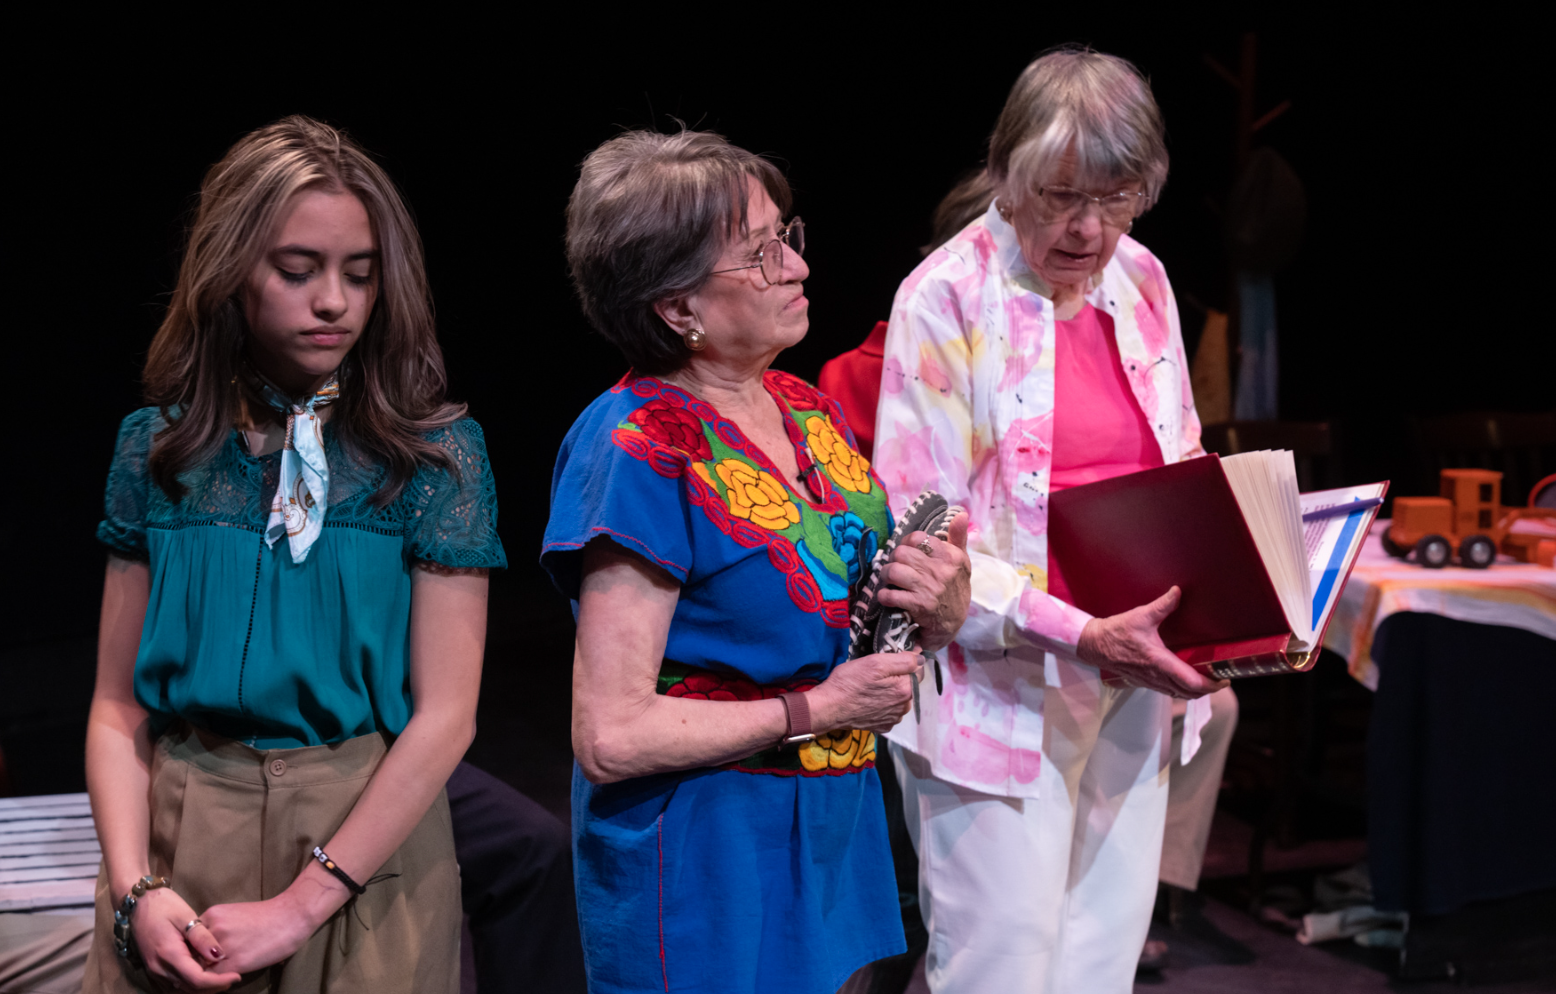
1417,290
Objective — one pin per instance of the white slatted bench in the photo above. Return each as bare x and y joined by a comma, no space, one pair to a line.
48,852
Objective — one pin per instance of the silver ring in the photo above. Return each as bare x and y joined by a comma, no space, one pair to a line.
192,923
926,548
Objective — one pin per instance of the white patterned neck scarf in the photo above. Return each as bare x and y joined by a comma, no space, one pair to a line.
303,494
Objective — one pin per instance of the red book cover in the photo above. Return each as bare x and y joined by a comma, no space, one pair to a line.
1126,540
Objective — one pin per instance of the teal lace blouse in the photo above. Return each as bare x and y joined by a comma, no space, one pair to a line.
241,641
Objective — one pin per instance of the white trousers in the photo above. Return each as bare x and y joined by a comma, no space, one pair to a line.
1047,895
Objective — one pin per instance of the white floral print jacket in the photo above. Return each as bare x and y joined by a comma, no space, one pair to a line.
966,408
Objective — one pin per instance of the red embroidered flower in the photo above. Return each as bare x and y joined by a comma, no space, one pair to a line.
800,395
706,685
673,426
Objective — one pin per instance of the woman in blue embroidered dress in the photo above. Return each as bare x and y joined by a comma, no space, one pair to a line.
295,604
710,518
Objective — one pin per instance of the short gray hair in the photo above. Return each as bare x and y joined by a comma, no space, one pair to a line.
647,221
1099,103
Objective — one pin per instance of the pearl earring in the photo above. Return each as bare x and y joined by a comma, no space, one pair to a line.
696,340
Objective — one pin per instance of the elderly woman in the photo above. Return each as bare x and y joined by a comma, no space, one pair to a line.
709,517
1039,349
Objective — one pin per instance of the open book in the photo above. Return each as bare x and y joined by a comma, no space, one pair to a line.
1259,582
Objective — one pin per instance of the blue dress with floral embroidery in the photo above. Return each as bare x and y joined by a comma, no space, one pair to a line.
773,873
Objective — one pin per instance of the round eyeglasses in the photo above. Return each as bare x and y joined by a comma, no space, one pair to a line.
770,259
1118,209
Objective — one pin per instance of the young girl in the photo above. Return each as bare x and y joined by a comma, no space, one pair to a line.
295,604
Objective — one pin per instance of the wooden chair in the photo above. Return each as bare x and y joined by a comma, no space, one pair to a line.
1312,442
48,853
1288,708
1520,446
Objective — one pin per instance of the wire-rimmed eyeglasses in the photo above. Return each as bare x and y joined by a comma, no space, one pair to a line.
770,259
1118,209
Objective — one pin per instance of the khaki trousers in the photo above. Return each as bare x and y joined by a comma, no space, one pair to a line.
1192,790
44,952
230,823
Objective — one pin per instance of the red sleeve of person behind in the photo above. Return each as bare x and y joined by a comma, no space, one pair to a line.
853,379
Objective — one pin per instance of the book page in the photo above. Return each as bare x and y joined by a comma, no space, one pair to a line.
1332,543
1265,485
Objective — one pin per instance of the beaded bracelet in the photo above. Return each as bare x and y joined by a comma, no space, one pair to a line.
341,875
123,934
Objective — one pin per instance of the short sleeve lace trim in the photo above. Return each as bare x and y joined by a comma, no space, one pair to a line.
123,528
453,520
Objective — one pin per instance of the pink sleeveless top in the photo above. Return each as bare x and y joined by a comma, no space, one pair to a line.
1099,430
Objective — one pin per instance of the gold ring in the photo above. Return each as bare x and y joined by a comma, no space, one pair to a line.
925,547
192,923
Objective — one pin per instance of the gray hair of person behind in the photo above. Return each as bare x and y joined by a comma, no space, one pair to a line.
647,222
1099,103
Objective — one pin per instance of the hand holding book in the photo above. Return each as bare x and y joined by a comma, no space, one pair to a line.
1130,646
1259,565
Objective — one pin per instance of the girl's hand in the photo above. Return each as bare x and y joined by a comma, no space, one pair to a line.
263,933
935,588
871,692
191,961
259,933
1129,645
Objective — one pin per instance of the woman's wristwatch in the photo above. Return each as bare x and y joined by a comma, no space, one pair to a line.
798,731
123,934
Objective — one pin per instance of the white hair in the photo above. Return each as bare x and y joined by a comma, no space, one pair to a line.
1076,99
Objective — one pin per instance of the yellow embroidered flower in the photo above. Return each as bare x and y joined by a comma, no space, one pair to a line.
838,750
848,469
753,494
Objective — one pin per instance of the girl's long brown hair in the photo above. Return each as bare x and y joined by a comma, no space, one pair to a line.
392,383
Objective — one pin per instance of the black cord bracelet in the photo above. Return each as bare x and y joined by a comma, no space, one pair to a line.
341,875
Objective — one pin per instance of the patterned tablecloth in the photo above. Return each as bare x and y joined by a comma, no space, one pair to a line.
1518,595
